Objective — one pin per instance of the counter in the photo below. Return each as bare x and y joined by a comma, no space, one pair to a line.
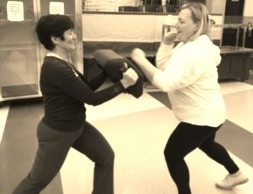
235,63
235,50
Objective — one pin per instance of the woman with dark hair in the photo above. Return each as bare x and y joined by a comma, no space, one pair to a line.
187,72
65,91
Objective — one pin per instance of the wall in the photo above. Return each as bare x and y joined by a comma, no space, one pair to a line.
127,2
248,8
247,12
124,27
101,27
216,6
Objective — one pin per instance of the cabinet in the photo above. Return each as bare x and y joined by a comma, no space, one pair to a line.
235,63
233,67
20,52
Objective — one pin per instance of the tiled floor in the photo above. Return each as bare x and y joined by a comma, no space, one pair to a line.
138,130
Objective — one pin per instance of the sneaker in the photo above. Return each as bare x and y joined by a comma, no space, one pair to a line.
232,180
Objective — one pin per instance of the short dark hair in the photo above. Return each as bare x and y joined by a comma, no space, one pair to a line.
52,25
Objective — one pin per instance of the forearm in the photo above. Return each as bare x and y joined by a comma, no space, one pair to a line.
163,55
98,81
147,68
104,95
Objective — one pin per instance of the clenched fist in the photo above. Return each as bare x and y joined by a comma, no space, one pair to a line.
169,37
138,55
129,78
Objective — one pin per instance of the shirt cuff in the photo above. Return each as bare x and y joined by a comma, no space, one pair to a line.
120,87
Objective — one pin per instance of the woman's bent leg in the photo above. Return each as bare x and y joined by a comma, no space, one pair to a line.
95,146
52,151
184,139
219,154
175,151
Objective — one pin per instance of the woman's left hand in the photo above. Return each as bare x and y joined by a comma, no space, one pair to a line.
129,78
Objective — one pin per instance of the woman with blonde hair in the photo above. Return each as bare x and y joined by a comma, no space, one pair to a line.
187,72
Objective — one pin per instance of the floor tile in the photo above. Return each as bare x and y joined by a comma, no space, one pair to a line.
137,130
240,108
4,110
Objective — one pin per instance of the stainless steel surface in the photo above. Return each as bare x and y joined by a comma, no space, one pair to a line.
235,49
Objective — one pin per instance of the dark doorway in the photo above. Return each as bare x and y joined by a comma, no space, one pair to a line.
197,1
234,11
233,15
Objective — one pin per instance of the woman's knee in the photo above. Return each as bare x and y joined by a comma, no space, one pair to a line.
170,154
174,155
109,158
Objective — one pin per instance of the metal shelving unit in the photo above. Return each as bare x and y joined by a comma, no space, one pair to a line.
238,27
21,55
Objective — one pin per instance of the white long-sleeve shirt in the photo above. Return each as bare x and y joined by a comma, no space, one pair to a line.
190,78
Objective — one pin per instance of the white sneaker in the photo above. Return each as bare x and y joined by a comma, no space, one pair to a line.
232,180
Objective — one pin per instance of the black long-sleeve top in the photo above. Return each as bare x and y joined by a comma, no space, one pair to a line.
65,91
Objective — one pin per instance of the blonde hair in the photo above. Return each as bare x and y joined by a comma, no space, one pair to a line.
199,16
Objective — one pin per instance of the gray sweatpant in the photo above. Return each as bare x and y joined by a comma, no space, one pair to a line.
53,149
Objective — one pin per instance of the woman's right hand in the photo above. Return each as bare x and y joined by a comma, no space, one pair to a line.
129,78
169,37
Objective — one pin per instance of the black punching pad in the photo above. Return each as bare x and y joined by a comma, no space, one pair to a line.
114,65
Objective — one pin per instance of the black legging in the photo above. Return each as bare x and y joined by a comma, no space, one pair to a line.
53,148
184,139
